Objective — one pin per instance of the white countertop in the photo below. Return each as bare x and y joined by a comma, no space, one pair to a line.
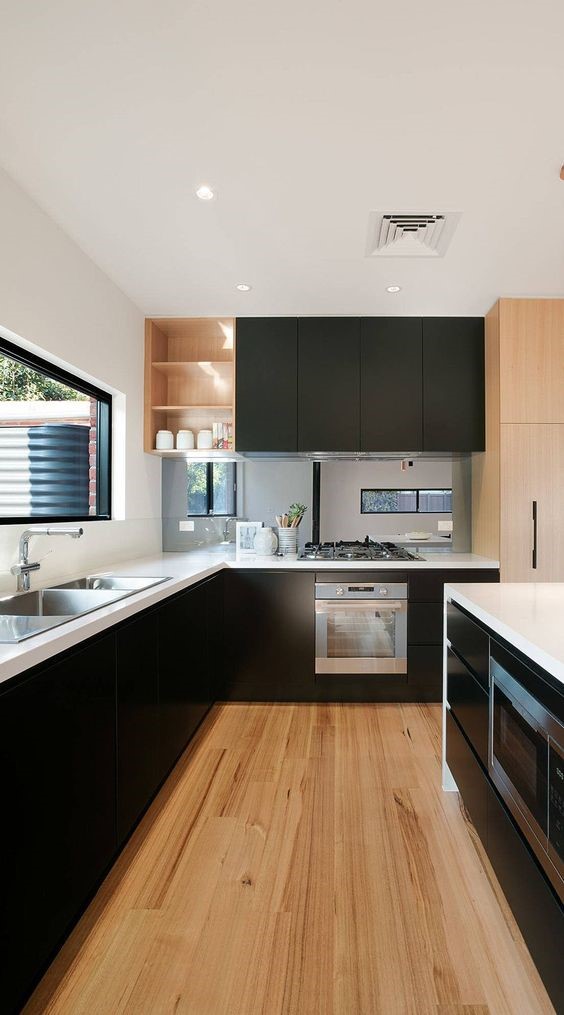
184,569
528,616
432,559
402,540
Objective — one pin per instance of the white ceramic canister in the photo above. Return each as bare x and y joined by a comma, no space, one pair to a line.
265,542
185,440
205,440
165,440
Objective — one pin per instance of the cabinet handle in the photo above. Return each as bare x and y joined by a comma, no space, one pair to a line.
534,534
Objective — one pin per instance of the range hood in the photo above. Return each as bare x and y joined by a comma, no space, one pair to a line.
350,456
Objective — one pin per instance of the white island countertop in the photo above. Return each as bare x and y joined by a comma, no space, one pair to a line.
528,616
182,570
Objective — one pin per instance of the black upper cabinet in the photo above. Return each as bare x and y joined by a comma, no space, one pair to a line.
391,366
329,384
453,384
360,384
267,384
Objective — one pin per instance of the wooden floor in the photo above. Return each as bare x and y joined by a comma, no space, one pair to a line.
301,859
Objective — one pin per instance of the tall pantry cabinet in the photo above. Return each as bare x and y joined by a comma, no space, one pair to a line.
518,482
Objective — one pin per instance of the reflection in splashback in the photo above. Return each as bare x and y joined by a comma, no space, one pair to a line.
174,506
207,531
265,489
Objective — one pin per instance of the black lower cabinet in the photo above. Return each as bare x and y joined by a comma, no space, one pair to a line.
269,636
270,639
428,586
215,629
470,704
185,692
425,628
470,642
137,719
425,673
536,908
85,741
358,688
471,780
57,758
425,623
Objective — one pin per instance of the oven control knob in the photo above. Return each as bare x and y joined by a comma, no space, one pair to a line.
339,591
383,591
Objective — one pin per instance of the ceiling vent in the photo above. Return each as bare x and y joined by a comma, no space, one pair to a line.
403,235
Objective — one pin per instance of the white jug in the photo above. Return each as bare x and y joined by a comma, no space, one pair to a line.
265,542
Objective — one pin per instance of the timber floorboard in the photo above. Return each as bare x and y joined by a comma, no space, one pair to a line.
300,859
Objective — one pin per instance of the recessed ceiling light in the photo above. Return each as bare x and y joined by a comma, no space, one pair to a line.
243,287
204,192
393,289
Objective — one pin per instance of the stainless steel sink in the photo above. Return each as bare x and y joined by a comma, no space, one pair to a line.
14,628
126,583
56,602
30,613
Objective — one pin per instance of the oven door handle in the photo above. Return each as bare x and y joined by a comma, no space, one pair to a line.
330,605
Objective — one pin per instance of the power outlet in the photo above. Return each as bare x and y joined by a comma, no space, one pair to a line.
186,526
444,526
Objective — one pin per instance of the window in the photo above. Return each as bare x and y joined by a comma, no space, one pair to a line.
405,502
212,488
55,442
437,501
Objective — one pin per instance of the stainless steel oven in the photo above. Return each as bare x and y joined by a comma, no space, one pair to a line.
360,627
526,758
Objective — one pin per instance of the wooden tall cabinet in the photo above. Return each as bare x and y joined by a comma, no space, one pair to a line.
518,482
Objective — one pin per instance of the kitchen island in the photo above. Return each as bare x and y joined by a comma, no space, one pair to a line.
503,747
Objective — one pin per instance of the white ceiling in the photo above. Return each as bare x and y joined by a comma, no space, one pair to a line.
304,116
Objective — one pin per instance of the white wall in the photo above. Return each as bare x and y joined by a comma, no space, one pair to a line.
341,483
56,302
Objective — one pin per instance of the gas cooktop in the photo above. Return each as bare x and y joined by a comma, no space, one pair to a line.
366,549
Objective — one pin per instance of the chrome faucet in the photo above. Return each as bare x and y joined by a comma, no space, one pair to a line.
232,518
23,568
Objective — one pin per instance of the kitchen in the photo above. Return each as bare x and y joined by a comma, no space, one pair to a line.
313,768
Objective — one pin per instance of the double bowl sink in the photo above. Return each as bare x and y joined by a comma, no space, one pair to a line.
29,613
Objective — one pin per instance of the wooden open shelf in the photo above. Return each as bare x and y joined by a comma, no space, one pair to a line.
189,376
183,410
196,455
193,369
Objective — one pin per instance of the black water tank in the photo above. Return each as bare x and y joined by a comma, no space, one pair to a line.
59,469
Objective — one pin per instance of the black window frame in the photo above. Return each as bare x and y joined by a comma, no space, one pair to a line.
411,489
103,428
209,513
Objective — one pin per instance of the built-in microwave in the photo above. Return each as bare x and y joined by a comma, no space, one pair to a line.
526,756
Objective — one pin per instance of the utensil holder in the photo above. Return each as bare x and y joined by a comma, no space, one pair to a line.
288,542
